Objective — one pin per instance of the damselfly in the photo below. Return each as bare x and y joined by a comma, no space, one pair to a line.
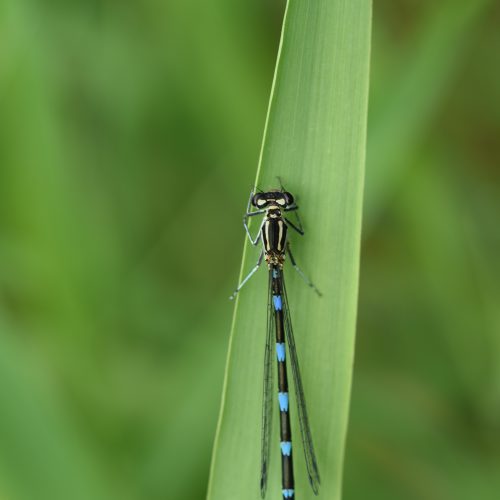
275,246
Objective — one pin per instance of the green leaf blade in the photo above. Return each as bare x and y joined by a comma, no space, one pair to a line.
315,139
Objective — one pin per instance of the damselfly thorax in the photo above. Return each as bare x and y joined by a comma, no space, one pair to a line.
274,231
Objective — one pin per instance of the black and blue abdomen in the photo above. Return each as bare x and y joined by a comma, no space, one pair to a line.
278,305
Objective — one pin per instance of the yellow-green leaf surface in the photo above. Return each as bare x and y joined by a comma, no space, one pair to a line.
315,140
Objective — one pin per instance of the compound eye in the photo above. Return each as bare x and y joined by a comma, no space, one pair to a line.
259,201
289,199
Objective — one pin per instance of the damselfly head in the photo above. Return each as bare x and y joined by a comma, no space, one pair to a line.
281,198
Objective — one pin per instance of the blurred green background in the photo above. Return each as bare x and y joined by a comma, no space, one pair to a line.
129,138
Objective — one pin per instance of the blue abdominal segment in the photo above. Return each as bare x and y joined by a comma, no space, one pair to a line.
286,448
277,302
283,399
280,352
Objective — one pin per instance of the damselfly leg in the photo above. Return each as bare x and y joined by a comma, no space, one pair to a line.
295,209
248,276
293,226
301,273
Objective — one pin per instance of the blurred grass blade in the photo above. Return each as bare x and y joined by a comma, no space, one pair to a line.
315,139
401,114
41,454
